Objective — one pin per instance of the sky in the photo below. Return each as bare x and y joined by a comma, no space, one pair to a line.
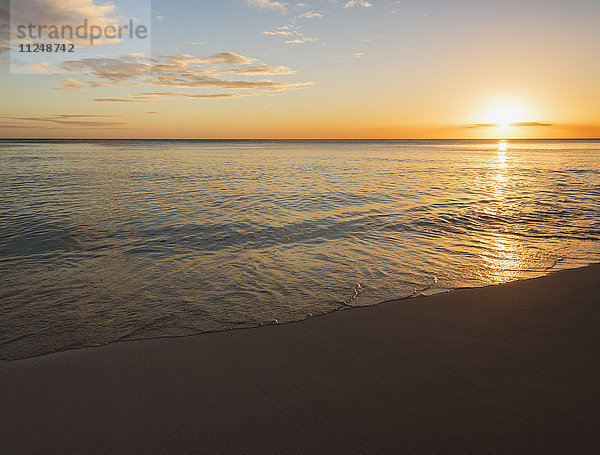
310,69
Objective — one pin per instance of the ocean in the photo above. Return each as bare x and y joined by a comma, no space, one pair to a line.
106,241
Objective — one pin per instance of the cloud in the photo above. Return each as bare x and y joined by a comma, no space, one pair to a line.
353,3
74,121
292,32
268,4
108,68
154,96
12,126
285,30
228,57
239,63
59,12
183,71
70,119
42,67
525,124
71,84
68,116
64,12
265,70
311,15
516,124
301,40
179,71
191,43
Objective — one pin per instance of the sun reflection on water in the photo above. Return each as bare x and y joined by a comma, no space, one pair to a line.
504,255
505,259
499,180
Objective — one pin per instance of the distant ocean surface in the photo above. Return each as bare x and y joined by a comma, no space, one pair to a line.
104,241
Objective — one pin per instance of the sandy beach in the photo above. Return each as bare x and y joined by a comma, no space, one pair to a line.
504,369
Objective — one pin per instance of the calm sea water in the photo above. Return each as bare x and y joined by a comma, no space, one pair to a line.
103,241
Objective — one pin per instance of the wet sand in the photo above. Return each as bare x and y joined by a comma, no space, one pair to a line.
505,369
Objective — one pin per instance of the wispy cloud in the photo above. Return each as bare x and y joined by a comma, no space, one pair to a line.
71,120
263,69
516,124
284,30
301,40
311,15
62,12
183,71
353,3
291,33
71,84
146,97
269,4
228,57
191,43
74,121
122,68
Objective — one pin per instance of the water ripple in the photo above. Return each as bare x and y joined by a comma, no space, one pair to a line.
102,241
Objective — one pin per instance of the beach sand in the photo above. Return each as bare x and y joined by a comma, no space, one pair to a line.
513,368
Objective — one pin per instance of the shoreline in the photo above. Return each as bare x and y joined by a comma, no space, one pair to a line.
495,369
343,307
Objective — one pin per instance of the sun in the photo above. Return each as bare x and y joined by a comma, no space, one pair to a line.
505,113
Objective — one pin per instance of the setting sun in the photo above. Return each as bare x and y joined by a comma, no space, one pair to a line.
506,113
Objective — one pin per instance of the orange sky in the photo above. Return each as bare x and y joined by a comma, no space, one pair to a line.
378,69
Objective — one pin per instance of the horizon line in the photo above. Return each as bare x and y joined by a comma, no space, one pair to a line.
295,139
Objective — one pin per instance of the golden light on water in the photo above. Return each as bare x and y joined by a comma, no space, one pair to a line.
502,149
504,255
506,258
500,179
